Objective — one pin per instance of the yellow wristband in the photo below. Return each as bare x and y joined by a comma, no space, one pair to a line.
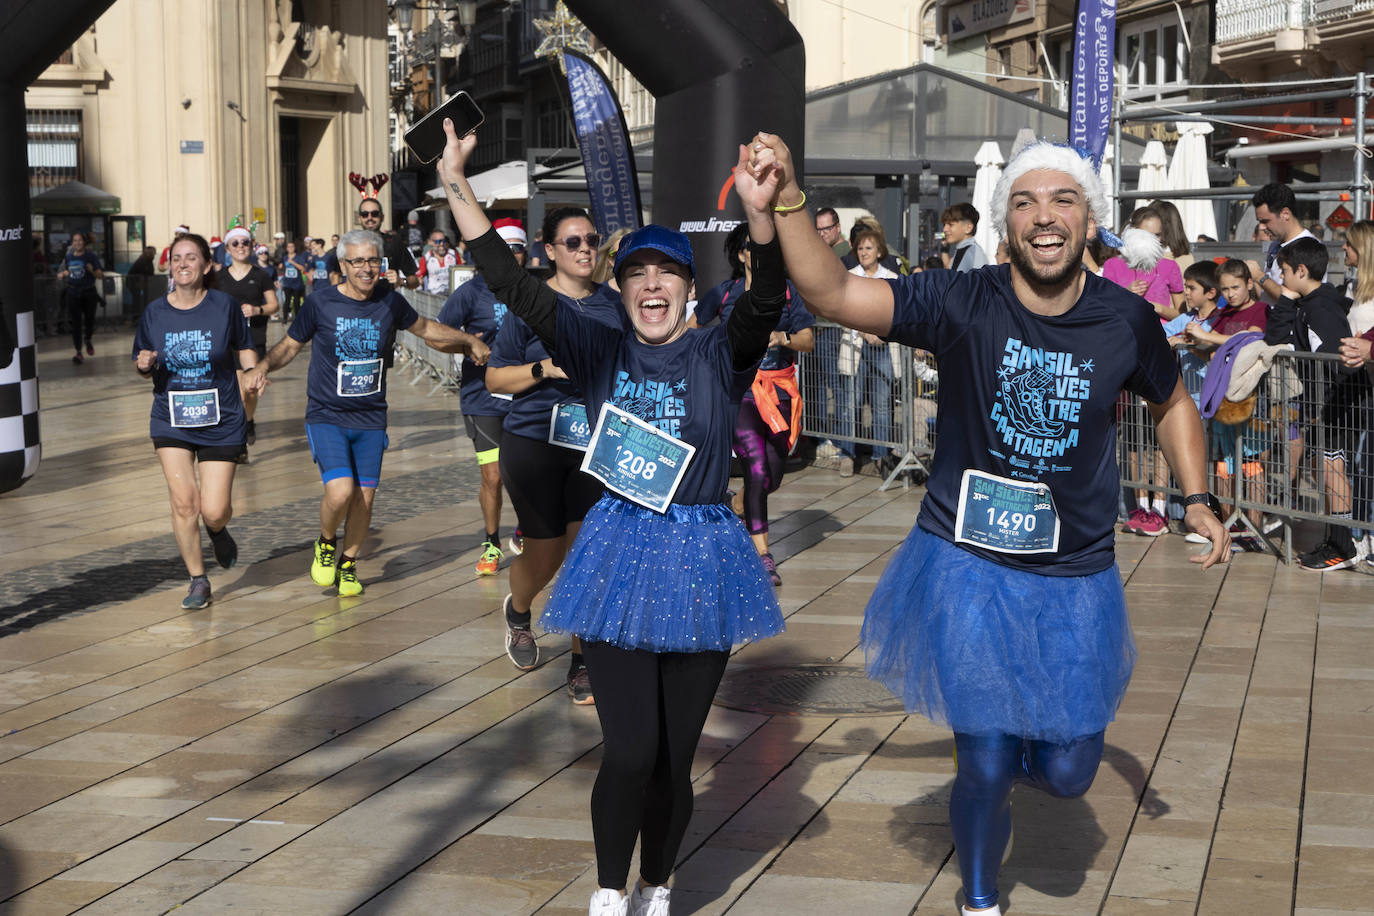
794,208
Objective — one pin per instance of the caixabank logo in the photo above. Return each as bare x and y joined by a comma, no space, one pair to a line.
713,223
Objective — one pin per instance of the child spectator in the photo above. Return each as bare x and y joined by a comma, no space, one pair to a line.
1241,313
1319,324
1141,266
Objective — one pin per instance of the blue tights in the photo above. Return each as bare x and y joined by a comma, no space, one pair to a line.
980,803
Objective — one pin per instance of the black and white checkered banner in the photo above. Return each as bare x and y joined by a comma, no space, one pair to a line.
19,448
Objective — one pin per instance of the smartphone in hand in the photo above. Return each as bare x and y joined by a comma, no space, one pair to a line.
426,139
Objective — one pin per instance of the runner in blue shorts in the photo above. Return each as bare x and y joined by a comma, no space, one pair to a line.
353,327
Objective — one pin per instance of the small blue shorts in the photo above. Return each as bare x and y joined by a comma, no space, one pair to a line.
343,452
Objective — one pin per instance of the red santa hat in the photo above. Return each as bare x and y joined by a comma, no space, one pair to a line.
512,230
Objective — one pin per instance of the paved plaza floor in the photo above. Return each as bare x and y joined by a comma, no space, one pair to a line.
288,751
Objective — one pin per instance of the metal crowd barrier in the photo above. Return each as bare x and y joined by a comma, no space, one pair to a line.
1305,451
879,395
419,359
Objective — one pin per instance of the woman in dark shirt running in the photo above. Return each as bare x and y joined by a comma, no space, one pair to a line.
190,343
662,579
251,287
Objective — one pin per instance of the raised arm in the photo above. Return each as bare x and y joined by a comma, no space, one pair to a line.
754,317
522,292
828,289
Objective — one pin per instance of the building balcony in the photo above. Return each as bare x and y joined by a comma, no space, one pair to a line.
1256,39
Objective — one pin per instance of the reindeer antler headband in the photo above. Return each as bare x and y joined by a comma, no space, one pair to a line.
360,182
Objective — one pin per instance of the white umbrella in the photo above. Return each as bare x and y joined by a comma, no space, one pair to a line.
989,161
1189,170
1108,185
1154,174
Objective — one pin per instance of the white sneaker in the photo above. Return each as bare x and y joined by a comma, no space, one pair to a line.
1362,550
827,449
646,901
994,911
1192,537
608,902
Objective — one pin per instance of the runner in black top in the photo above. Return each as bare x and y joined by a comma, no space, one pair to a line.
251,288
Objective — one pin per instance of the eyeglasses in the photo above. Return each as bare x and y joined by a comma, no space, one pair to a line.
820,228
239,243
369,214
518,249
360,263
438,243
574,242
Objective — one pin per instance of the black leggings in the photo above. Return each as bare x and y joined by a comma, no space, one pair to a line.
652,708
763,456
81,304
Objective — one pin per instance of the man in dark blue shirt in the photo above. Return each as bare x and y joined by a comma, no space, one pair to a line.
353,327
1002,614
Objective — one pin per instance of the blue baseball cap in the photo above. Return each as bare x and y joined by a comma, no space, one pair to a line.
660,238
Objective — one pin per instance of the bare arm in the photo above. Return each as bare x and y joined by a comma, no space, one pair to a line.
519,379
445,339
1179,429
828,289
804,341
285,351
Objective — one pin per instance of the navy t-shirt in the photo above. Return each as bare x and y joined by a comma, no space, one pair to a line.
319,269
688,388
531,410
197,349
358,334
473,308
293,272
1033,398
81,269
720,302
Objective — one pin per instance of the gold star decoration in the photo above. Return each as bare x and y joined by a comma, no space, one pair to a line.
562,30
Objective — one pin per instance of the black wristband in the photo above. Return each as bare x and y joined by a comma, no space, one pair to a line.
1197,499
537,369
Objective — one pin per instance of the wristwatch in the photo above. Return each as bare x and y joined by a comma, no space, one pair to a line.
1205,499
537,368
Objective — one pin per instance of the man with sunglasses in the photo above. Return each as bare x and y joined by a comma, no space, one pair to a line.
353,327
436,263
401,269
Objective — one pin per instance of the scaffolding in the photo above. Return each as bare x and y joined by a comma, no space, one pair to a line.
1356,191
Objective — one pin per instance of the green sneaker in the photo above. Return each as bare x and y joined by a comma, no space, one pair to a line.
491,559
348,579
322,570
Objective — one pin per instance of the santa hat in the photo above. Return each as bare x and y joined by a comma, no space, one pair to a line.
215,242
1042,155
511,230
181,230
238,232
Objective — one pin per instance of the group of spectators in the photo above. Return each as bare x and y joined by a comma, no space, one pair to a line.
1232,315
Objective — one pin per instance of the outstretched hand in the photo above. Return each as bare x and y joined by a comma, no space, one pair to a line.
767,151
453,162
757,190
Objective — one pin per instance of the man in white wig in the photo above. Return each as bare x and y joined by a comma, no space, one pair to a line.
1002,614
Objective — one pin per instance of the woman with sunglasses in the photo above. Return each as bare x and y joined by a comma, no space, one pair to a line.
190,342
662,579
252,289
550,493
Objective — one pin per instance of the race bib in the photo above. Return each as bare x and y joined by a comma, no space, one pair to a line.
635,459
1008,516
569,427
359,377
194,408
292,272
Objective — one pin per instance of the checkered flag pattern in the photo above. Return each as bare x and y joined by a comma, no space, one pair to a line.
19,448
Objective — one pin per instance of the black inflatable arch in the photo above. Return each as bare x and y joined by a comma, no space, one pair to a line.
719,70
32,34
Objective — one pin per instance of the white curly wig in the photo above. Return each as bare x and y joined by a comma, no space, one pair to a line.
1041,154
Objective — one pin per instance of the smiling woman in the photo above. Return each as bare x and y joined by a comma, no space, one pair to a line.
662,579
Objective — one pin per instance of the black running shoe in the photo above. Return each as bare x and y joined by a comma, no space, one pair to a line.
226,551
1327,557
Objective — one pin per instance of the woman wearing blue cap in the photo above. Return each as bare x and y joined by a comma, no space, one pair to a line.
661,580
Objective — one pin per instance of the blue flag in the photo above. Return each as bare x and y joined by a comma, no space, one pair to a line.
607,158
1094,55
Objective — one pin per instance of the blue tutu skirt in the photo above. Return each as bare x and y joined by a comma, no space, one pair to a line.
689,580
988,649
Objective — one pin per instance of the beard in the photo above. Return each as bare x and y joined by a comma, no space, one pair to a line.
1018,252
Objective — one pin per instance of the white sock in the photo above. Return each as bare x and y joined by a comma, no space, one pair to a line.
1143,502
1159,506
